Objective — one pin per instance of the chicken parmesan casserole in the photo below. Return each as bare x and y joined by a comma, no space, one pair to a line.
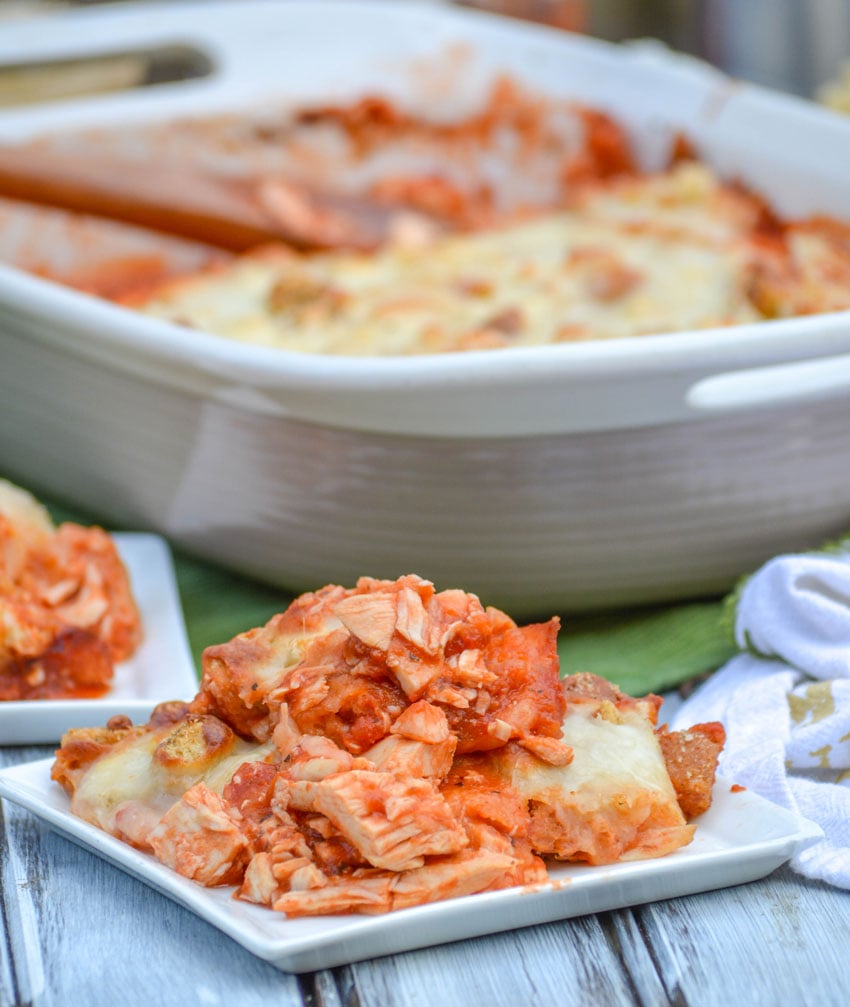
67,612
530,221
386,746
593,248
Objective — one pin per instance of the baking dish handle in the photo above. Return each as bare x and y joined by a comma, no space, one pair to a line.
774,385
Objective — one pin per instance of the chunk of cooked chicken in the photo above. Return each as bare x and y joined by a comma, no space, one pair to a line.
42,657
348,663
394,821
415,758
199,839
238,676
463,873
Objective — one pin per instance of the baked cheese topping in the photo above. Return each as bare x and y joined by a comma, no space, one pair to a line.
610,757
613,801
647,255
130,788
676,251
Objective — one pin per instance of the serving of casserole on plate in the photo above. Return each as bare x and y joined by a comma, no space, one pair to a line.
90,623
576,474
162,667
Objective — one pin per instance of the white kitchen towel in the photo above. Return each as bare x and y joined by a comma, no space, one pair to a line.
797,608
785,703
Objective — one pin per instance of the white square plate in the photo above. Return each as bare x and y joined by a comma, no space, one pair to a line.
162,668
741,838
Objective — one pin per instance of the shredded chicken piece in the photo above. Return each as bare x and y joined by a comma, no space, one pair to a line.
416,758
198,838
395,821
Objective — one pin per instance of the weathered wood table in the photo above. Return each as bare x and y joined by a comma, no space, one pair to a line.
75,930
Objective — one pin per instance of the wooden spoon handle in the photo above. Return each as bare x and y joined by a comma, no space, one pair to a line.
231,213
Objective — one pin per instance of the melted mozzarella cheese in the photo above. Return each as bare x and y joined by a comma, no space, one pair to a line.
608,758
614,801
658,254
128,780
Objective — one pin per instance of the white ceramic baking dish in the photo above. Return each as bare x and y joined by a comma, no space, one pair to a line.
555,478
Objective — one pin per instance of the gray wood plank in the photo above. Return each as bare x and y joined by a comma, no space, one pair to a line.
320,990
8,989
8,983
571,962
779,941
14,978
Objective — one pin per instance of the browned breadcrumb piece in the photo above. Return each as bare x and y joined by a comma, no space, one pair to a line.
691,759
193,741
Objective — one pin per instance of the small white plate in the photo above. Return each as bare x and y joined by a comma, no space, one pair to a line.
162,668
741,838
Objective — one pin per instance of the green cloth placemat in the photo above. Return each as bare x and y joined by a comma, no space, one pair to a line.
648,650
642,650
